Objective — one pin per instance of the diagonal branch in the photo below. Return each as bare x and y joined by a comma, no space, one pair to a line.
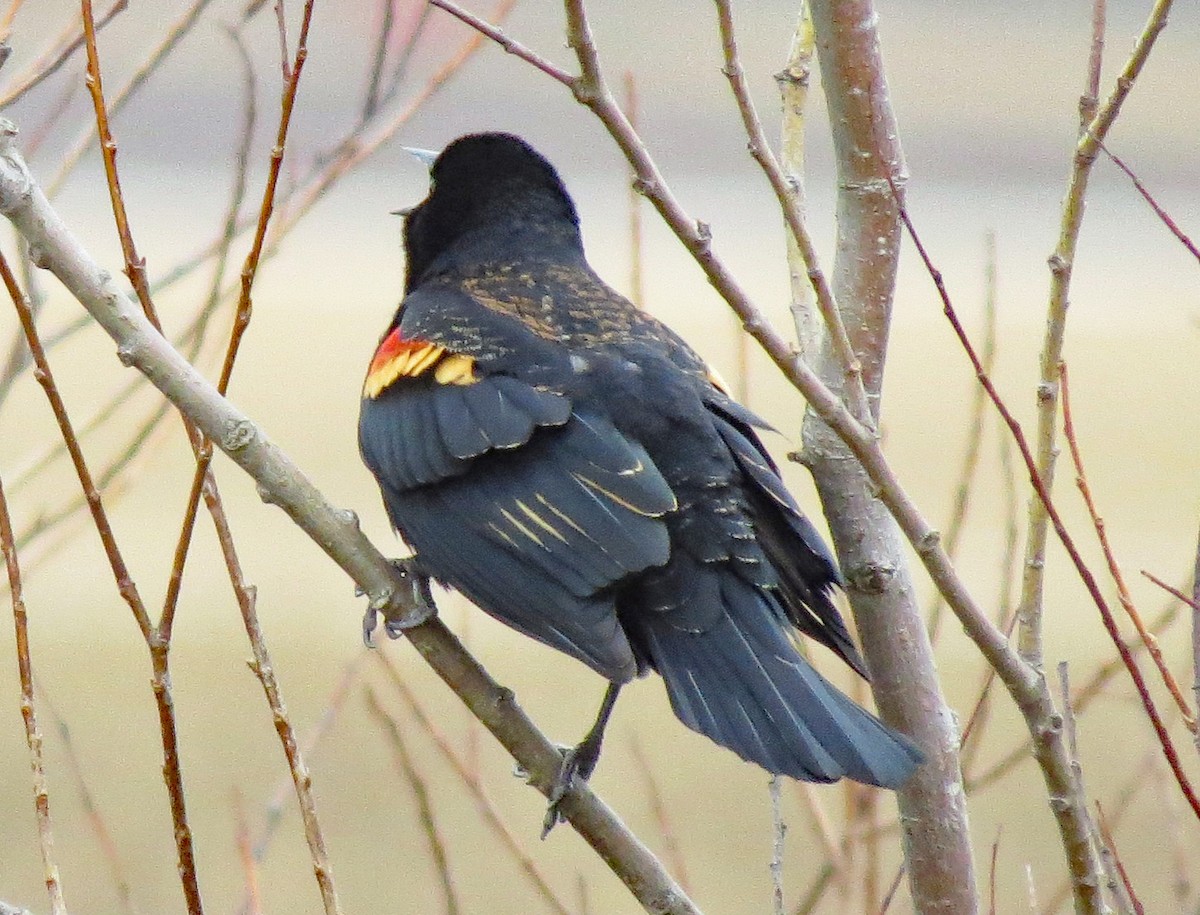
335,531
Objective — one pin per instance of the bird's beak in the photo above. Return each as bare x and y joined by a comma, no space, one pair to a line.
427,156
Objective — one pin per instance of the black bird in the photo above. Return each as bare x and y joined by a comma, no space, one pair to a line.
570,465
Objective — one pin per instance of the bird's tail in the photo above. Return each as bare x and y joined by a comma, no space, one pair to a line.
743,684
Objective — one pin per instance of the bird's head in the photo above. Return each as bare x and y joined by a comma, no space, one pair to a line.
486,190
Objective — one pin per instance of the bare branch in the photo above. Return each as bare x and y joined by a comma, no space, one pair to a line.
1162,214
412,775
336,532
470,778
33,734
49,63
760,150
1061,264
1114,568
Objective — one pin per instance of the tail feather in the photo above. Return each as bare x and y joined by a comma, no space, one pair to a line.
743,684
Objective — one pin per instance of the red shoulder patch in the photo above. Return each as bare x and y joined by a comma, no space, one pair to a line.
401,357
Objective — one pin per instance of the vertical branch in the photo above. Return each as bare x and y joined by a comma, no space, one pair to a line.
851,380
33,734
1029,641
937,843
778,832
135,267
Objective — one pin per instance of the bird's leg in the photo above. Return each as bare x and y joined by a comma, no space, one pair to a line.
580,760
402,610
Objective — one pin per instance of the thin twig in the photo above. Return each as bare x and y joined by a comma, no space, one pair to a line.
1085,574
469,776
485,28
662,815
1090,100
1107,834
1114,567
59,53
95,818
816,892
760,151
170,41
246,856
892,890
637,289
6,20
286,788
992,871
1061,264
412,775
387,24
33,734
1159,211
975,425
281,29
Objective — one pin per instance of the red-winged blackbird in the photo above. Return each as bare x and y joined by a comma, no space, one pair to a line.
570,465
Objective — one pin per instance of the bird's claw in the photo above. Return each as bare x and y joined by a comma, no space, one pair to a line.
403,607
563,782
578,763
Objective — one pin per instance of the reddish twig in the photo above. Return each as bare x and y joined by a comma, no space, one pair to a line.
33,734
1085,574
1114,567
135,267
1193,602
1161,213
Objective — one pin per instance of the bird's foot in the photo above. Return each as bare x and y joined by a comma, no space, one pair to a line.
578,762
407,605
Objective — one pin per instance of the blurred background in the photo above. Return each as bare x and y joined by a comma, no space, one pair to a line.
986,97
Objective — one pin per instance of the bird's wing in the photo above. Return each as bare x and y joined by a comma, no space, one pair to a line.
807,570
506,492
